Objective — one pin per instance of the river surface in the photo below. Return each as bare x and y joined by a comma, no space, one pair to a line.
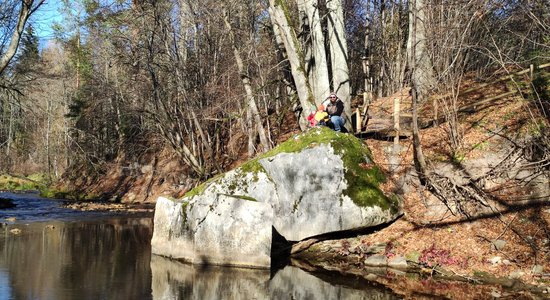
50,252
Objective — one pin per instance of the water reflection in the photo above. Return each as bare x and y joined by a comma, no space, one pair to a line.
111,259
174,280
85,260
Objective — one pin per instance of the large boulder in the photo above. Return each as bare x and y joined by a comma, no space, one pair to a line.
317,182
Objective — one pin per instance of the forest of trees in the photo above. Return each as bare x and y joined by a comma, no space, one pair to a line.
203,78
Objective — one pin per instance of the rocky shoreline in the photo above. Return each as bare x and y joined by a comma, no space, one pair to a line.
410,278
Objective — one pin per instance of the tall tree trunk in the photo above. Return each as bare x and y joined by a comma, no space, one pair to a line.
47,138
283,58
367,94
339,54
185,18
316,57
383,42
419,160
417,51
280,18
10,131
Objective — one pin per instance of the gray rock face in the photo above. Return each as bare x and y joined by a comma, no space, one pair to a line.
498,245
174,280
301,192
313,200
398,262
376,260
225,231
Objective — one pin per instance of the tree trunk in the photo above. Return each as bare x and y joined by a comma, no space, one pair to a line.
383,43
339,54
280,19
417,51
419,160
316,57
252,107
367,94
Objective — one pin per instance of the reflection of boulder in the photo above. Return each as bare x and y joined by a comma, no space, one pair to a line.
6,203
318,182
175,280
295,283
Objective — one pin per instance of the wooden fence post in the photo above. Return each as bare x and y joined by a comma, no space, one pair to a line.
357,120
396,111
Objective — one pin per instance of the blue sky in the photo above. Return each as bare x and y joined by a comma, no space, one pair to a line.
44,18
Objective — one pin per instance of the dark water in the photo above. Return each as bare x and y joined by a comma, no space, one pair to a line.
32,207
53,253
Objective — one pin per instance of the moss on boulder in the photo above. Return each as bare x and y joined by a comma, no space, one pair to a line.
317,182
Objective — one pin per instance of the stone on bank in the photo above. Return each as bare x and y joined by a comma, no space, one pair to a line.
315,183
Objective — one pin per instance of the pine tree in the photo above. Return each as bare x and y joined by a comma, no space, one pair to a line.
29,56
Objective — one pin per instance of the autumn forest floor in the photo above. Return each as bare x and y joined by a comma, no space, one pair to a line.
508,238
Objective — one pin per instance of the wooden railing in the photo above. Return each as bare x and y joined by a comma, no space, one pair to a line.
361,118
531,70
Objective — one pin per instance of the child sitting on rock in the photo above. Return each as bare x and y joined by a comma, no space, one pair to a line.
319,117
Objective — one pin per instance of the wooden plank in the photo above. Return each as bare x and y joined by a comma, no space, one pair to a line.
364,115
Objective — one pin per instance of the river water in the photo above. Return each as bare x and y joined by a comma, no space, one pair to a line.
50,252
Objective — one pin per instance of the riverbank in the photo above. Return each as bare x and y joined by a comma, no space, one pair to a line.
14,183
111,207
31,207
427,261
504,237
417,282
448,257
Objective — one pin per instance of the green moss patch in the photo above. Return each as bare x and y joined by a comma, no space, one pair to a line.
251,167
362,176
307,139
199,189
60,193
21,183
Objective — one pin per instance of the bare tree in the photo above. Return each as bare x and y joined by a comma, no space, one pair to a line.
313,41
252,111
308,59
26,8
417,44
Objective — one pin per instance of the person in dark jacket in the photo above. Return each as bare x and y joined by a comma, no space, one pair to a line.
335,109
